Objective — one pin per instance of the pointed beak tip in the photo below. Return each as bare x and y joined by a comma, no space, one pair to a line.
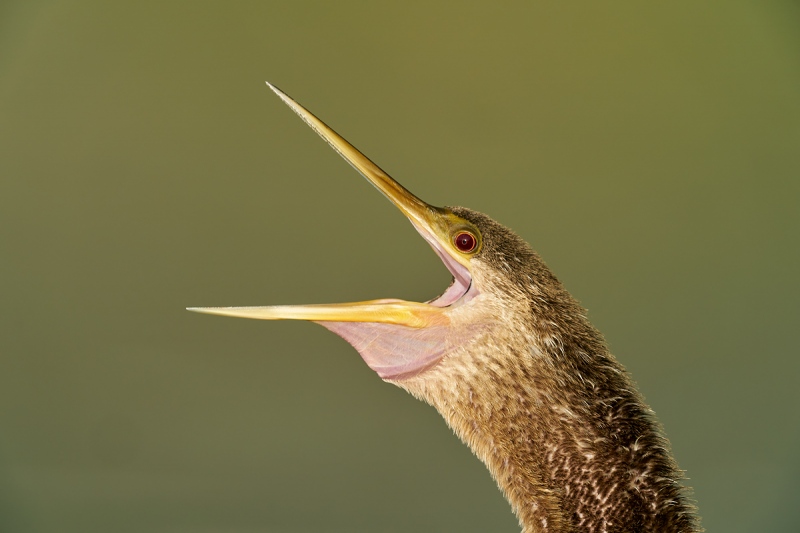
276,90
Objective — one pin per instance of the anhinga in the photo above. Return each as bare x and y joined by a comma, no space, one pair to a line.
510,360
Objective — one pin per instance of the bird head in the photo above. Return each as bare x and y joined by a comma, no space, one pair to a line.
401,339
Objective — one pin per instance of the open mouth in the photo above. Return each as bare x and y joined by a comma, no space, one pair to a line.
396,338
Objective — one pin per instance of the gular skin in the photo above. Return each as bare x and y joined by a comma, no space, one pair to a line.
535,393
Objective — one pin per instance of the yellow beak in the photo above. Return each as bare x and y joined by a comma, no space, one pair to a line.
433,223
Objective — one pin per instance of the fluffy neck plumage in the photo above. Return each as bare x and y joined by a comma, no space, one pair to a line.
560,426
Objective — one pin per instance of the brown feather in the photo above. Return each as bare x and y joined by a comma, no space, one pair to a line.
537,396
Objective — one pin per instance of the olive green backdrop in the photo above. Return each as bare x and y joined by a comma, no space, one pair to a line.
649,152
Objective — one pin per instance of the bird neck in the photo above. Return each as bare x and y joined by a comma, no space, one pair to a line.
562,431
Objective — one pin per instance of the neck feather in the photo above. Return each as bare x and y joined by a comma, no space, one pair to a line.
562,430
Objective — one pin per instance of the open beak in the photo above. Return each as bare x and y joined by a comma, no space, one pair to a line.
433,223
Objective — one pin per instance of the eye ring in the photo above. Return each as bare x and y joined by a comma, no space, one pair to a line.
465,242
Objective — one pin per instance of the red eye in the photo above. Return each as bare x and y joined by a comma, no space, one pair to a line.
465,242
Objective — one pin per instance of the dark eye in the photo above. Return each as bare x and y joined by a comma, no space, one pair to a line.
465,242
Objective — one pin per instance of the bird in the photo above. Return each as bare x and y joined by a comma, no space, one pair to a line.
510,360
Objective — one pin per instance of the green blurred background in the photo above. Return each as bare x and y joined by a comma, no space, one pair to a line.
649,151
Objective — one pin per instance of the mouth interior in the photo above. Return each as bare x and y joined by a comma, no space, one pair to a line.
462,280
457,289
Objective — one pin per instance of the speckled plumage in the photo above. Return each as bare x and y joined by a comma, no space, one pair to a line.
537,396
